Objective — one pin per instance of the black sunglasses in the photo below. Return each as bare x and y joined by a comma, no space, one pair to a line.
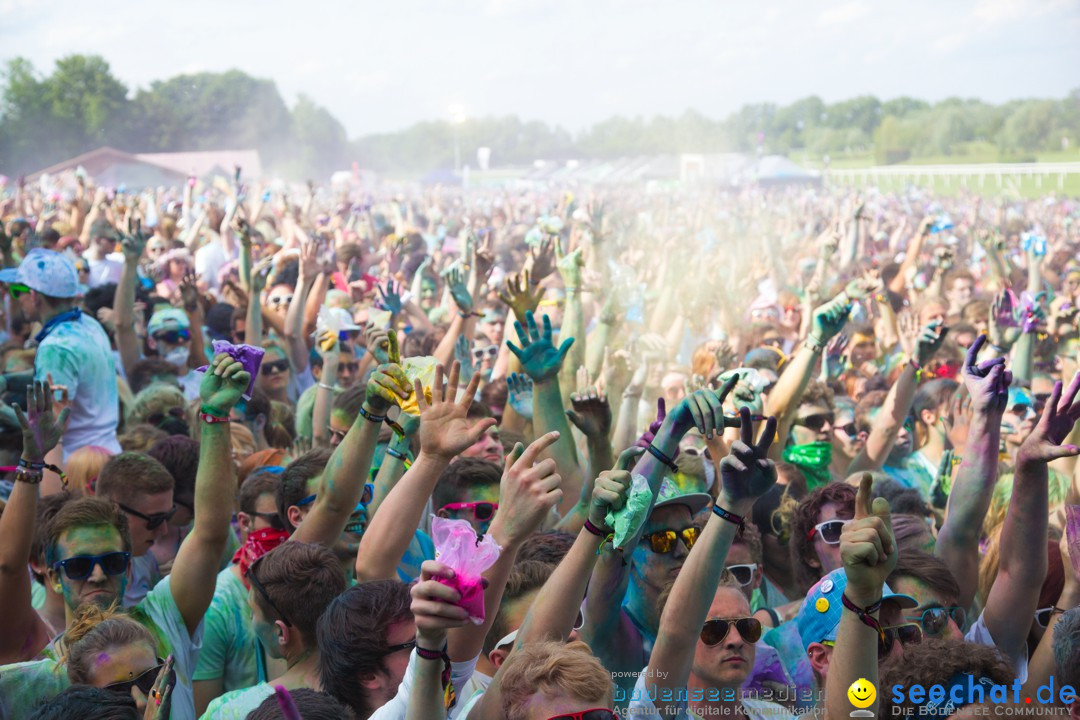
81,566
277,366
906,634
349,366
145,681
271,517
158,417
172,336
816,422
849,429
153,522
934,620
398,648
663,541
714,631
254,582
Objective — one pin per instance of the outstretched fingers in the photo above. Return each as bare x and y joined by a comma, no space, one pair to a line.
765,441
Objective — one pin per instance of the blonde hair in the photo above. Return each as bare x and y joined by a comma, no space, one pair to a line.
157,398
83,468
95,630
555,669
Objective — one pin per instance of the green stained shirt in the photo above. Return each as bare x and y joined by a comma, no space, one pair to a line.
237,704
228,649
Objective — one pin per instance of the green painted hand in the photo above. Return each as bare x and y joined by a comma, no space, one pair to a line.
539,357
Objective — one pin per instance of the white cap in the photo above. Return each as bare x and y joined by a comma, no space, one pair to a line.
45,271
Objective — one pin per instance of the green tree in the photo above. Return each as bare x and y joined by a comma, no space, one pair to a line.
320,145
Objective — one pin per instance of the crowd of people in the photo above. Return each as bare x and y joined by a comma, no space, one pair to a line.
535,454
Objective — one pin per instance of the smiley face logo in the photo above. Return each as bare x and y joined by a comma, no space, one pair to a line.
862,693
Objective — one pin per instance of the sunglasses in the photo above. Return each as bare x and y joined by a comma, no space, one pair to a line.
481,511
365,498
349,367
172,337
829,531
275,367
145,681
81,566
512,635
17,291
278,300
906,634
594,714
743,574
270,517
850,430
254,582
934,620
158,417
154,521
1043,615
663,541
714,631
491,351
398,648
816,422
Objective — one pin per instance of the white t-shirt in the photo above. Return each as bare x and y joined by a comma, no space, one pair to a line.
210,258
105,271
978,634
642,706
77,355
399,704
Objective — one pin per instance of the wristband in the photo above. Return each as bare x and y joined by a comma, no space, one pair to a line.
662,458
377,419
865,614
731,518
595,530
917,367
449,697
29,465
211,410
395,454
326,387
813,344
31,477
212,419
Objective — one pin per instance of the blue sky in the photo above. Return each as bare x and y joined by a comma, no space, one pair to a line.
383,66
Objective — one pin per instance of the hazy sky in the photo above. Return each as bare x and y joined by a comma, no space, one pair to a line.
382,66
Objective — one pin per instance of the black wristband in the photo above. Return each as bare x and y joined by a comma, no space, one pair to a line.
656,453
371,416
732,518
430,654
598,532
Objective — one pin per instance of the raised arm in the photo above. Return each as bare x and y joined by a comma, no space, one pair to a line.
591,414
570,266
347,470
541,361
911,256
189,294
746,474
253,325
327,347
1015,592
26,634
958,540
199,558
294,317
463,322
127,343
445,431
435,614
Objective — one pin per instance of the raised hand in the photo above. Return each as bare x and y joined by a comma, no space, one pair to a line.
309,261
829,319
747,472
433,606
867,546
530,487
158,706
1058,418
539,357
1003,328
943,258
519,295
259,273
445,430
987,383
388,384
929,342
459,290
541,259
483,257
377,341
591,414
41,427
223,384
835,359
611,488
520,394
326,344
704,410
654,427
862,287
189,291
390,294
240,225
570,266
133,243
463,354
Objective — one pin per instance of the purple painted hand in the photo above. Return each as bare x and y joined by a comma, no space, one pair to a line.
987,382
1062,412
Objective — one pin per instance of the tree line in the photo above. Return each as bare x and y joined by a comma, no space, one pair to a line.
80,106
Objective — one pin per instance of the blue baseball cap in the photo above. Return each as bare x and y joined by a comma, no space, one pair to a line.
45,271
820,613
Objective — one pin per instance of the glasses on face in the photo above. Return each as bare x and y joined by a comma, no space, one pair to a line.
279,300
491,351
594,714
481,511
906,634
254,582
935,620
81,567
816,422
158,417
398,648
829,531
271,518
145,681
849,430
275,367
349,367
172,337
714,631
663,541
17,291
365,498
1043,615
153,521
743,574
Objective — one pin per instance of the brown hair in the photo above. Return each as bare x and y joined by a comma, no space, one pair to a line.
95,630
140,438
935,660
85,512
751,538
132,473
294,480
260,482
301,579
805,518
179,455
47,507
525,577
84,467
929,570
554,669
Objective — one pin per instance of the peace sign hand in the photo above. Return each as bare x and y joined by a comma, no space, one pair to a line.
747,472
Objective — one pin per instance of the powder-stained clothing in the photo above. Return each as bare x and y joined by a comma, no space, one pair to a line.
229,649
78,356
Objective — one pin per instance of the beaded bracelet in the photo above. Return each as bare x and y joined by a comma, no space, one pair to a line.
31,477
